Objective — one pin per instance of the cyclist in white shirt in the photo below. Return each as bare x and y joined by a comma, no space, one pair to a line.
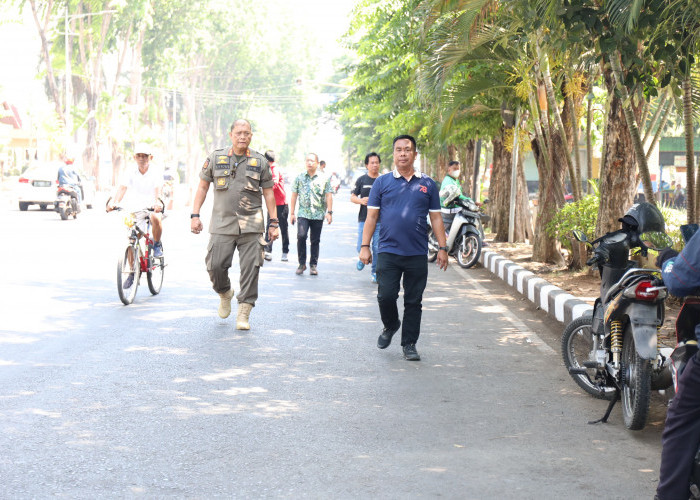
142,188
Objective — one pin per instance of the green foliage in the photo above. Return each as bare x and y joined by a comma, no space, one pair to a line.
581,215
674,220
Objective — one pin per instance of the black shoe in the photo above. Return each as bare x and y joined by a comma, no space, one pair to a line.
410,353
385,338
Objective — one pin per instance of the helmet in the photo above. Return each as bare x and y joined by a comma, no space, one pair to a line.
643,218
450,193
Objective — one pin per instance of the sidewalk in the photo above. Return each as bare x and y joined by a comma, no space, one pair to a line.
556,302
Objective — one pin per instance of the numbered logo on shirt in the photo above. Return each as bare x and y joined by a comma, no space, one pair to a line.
424,189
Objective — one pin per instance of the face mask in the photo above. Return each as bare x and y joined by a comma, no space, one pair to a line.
455,174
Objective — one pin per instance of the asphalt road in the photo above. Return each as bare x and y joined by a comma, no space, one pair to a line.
163,399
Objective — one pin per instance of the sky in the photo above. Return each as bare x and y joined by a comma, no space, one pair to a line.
20,48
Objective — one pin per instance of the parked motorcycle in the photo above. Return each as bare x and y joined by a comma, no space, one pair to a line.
613,354
464,235
67,202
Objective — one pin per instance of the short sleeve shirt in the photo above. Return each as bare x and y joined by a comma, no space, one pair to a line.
403,212
141,188
238,189
311,192
362,189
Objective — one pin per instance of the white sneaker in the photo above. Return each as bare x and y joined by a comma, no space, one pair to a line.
284,257
268,256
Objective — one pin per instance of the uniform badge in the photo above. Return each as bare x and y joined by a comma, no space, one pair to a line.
220,181
222,160
206,164
253,162
225,172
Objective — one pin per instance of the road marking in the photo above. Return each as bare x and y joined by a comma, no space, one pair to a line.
530,336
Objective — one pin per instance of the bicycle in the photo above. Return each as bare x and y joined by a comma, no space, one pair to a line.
135,261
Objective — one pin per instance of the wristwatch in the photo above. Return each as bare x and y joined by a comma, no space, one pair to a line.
443,248
330,212
192,216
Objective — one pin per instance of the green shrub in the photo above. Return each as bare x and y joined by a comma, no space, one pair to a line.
581,215
674,220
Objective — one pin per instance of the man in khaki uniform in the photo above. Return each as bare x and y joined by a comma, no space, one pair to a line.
241,178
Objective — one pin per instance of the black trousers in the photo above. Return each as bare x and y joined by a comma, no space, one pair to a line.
303,227
681,435
282,215
391,268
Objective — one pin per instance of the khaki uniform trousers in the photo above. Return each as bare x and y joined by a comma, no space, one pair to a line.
251,255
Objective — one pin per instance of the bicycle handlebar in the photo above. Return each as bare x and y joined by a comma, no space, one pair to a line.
118,208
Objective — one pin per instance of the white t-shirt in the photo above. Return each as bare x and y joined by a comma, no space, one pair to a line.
141,188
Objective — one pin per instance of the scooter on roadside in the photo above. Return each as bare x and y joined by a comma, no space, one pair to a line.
613,354
67,201
464,234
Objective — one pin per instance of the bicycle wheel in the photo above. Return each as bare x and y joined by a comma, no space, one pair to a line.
156,269
128,275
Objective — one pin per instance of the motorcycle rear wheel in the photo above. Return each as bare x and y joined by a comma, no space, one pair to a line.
468,250
63,211
636,385
129,264
432,246
156,269
577,343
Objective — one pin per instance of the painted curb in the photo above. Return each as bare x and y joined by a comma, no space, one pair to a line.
556,302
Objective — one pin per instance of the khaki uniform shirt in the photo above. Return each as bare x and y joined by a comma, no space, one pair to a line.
237,191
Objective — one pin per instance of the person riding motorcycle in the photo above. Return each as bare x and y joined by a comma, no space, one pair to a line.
67,176
450,192
681,435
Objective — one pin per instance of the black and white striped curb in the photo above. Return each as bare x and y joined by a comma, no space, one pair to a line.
552,299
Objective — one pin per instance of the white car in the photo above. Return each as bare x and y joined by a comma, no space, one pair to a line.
37,186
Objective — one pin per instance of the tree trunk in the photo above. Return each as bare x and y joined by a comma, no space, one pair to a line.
660,129
589,145
617,182
523,216
47,58
560,129
574,104
546,248
466,161
691,195
660,105
499,194
635,137
440,168
499,188
452,154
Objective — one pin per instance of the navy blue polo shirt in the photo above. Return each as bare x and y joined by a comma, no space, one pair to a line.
403,209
